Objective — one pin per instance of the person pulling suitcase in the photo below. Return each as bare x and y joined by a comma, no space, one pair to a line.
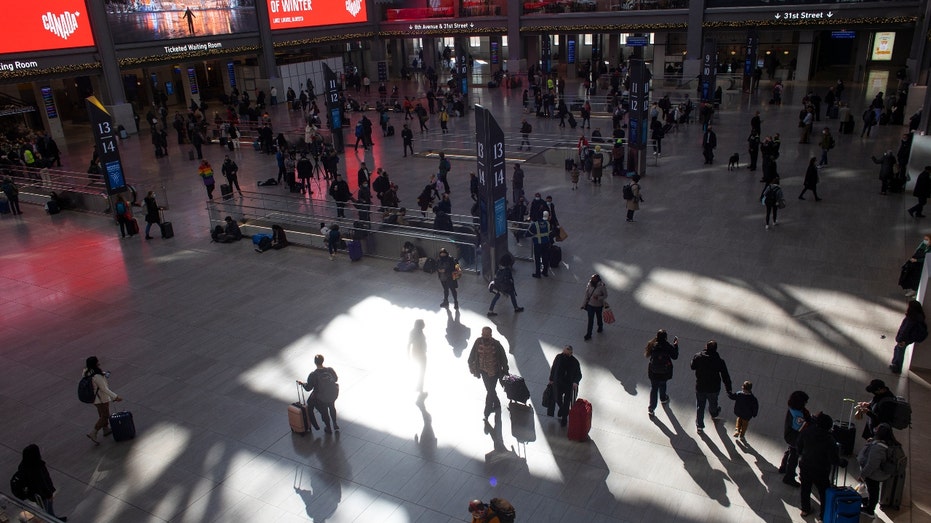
565,375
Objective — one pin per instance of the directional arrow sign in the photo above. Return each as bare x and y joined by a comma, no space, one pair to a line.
410,27
830,14
778,16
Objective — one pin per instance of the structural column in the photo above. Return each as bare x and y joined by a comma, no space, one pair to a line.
113,94
803,59
691,66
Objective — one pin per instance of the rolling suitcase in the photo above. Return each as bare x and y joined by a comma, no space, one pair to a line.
841,503
355,250
133,226
121,423
52,207
4,206
515,388
522,426
570,163
890,494
555,255
300,416
390,131
845,432
580,420
572,122
226,191
168,230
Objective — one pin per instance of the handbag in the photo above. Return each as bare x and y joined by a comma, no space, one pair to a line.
548,400
457,272
562,235
862,490
607,314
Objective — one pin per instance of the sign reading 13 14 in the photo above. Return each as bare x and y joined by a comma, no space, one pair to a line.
497,162
107,141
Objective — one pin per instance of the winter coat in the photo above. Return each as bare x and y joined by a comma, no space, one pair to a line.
871,459
595,296
710,371
811,177
633,204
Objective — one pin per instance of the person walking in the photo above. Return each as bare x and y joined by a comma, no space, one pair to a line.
489,362
595,295
407,136
123,214
152,215
810,183
921,191
517,183
826,143
710,372
797,416
708,143
340,192
565,375
102,397
746,407
633,203
660,353
443,172
503,283
875,466
818,453
206,173
539,232
323,381
448,272
886,164
770,197
37,481
525,130
913,329
231,172
333,240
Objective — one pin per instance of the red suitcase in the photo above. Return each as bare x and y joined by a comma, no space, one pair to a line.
300,416
580,420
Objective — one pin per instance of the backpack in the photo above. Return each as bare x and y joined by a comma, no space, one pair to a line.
86,392
18,486
830,142
628,192
359,130
326,388
660,363
895,463
503,509
771,197
922,332
901,414
504,281
429,266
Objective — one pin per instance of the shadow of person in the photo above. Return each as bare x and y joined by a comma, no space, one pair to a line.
693,459
417,352
457,334
326,491
749,482
426,440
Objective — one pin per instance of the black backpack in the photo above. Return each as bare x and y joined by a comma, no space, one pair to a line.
86,391
660,363
503,509
504,281
429,266
326,388
628,192
18,486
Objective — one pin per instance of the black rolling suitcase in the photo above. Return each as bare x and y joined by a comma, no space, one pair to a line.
845,432
572,121
121,423
168,230
555,254
890,494
522,423
226,191
570,163
515,388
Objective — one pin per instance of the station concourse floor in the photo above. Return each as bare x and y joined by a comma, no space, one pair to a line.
205,340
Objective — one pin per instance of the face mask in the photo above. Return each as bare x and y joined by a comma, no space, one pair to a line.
924,242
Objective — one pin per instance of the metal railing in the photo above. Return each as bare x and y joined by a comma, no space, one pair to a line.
301,219
14,510
80,191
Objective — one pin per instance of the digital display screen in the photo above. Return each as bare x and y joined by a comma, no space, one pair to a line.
192,76
163,20
883,43
48,101
45,25
292,14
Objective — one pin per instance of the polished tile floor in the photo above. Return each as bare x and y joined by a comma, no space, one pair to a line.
204,341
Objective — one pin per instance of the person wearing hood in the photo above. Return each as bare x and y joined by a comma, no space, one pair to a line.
710,372
37,480
818,453
874,467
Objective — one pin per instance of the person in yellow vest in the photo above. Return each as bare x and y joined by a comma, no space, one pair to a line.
539,231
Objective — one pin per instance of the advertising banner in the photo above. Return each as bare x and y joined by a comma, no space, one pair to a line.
105,137
292,14
45,26
883,43
180,19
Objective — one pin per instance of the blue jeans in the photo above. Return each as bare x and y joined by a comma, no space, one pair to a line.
657,388
700,398
898,357
498,295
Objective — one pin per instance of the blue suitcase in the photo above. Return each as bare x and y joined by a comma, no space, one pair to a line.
355,250
121,423
842,505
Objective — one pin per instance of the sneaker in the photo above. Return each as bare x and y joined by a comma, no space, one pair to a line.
92,437
650,412
519,309
328,430
491,313
736,435
766,226
444,304
700,430
664,400
456,305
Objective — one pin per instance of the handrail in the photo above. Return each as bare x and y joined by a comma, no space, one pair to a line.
12,509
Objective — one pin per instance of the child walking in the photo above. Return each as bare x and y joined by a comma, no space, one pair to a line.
745,407
574,176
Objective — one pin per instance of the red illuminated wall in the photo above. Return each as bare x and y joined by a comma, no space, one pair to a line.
45,25
290,14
